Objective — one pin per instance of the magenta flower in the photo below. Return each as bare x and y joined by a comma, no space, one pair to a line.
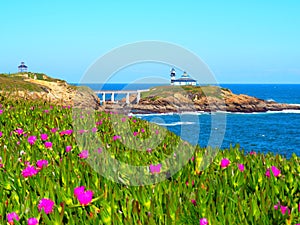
99,123
252,153
84,154
268,173
84,197
203,221
1,111
48,144
193,201
11,217
53,130
123,119
284,210
156,132
116,137
66,132
79,190
94,129
276,171
299,207
29,171
46,205
44,137
225,163
1,134
42,163
142,130
32,221
276,206
135,133
68,148
19,131
31,140
155,168
241,167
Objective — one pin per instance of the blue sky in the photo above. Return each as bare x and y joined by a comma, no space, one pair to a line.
241,42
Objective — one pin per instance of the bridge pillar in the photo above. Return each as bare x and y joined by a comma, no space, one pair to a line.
113,97
127,98
103,98
138,97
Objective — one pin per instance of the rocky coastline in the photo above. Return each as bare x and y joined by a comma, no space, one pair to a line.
179,102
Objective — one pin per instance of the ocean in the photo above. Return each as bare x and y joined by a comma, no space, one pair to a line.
277,132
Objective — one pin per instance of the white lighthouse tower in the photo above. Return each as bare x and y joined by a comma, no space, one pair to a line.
172,74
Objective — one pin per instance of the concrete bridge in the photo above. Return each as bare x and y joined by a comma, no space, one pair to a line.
126,92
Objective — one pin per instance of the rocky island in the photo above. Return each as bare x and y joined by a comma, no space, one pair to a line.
166,99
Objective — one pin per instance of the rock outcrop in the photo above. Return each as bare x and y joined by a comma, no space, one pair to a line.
220,100
58,92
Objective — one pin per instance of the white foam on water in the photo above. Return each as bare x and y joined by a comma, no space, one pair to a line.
175,124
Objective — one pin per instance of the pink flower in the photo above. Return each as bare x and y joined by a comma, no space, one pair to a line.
252,153
99,150
48,144
116,137
241,167
284,210
225,163
42,163
53,130
134,121
203,221
1,134
66,132
1,111
68,148
44,137
32,221
31,140
84,197
156,132
29,171
46,205
143,130
268,173
94,129
135,133
123,119
11,217
155,168
299,207
193,201
149,150
276,171
84,154
79,190
19,131
276,206
99,123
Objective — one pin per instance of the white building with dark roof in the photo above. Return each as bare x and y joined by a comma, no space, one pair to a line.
183,80
22,67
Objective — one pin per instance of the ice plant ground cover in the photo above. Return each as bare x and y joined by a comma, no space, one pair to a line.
45,177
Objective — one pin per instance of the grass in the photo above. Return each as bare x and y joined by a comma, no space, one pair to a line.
191,91
222,195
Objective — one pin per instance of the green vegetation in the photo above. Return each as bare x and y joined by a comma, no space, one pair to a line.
265,190
166,91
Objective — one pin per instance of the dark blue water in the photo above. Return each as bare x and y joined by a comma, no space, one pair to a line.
277,132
